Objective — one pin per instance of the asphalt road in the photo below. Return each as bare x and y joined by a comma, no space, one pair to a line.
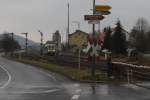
24,82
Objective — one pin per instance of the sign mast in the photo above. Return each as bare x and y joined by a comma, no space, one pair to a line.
93,58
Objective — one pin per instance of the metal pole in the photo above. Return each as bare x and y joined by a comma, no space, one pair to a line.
41,43
68,23
12,52
94,56
128,76
79,59
41,49
26,42
99,27
79,25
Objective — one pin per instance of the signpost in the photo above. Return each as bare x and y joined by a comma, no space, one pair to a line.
102,8
98,12
103,12
93,17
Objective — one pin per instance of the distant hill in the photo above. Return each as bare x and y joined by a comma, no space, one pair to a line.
21,40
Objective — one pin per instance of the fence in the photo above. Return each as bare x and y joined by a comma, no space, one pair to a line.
138,75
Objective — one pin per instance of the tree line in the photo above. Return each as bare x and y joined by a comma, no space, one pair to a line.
8,44
117,42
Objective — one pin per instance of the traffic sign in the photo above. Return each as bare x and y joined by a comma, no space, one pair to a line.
93,22
93,17
102,8
103,12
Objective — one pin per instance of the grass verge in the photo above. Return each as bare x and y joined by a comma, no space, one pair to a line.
82,75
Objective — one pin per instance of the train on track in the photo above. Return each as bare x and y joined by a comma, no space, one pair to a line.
50,49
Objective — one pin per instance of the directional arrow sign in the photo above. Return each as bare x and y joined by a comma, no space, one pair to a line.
93,17
103,12
103,8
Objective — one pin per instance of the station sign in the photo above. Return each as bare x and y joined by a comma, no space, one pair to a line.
93,17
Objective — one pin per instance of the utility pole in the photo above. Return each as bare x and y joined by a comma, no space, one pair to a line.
41,50
26,43
94,56
68,31
99,27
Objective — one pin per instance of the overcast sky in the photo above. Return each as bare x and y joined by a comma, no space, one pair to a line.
50,15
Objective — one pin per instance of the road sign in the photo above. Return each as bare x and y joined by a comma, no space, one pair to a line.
93,22
93,17
103,12
103,8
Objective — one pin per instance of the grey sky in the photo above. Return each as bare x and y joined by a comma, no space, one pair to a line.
49,15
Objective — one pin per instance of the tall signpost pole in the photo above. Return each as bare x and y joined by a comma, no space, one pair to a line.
98,12
68,31
93,62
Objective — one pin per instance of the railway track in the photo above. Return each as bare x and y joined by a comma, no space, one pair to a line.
73,61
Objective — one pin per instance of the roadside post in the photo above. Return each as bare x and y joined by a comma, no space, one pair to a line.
26,42
79,61
98,12
128,76
20,56
79,58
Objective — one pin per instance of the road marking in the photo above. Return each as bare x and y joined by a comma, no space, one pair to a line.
46,73
76,85
49,75
34,92
9,77
50,91
75,97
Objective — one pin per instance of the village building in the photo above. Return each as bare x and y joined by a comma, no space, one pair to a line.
78,39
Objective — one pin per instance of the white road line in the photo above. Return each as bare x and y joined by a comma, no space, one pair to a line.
75,97
34,92
50,91
9,77
76,85
46,73
49,75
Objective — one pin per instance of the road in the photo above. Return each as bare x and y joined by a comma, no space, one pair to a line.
24,82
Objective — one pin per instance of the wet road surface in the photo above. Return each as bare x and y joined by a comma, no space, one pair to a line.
24,82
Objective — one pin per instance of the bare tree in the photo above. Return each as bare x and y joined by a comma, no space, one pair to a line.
141,25
138,35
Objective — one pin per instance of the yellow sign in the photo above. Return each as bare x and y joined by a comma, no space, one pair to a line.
103,8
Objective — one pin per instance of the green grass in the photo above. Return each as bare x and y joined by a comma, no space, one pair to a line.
70,72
